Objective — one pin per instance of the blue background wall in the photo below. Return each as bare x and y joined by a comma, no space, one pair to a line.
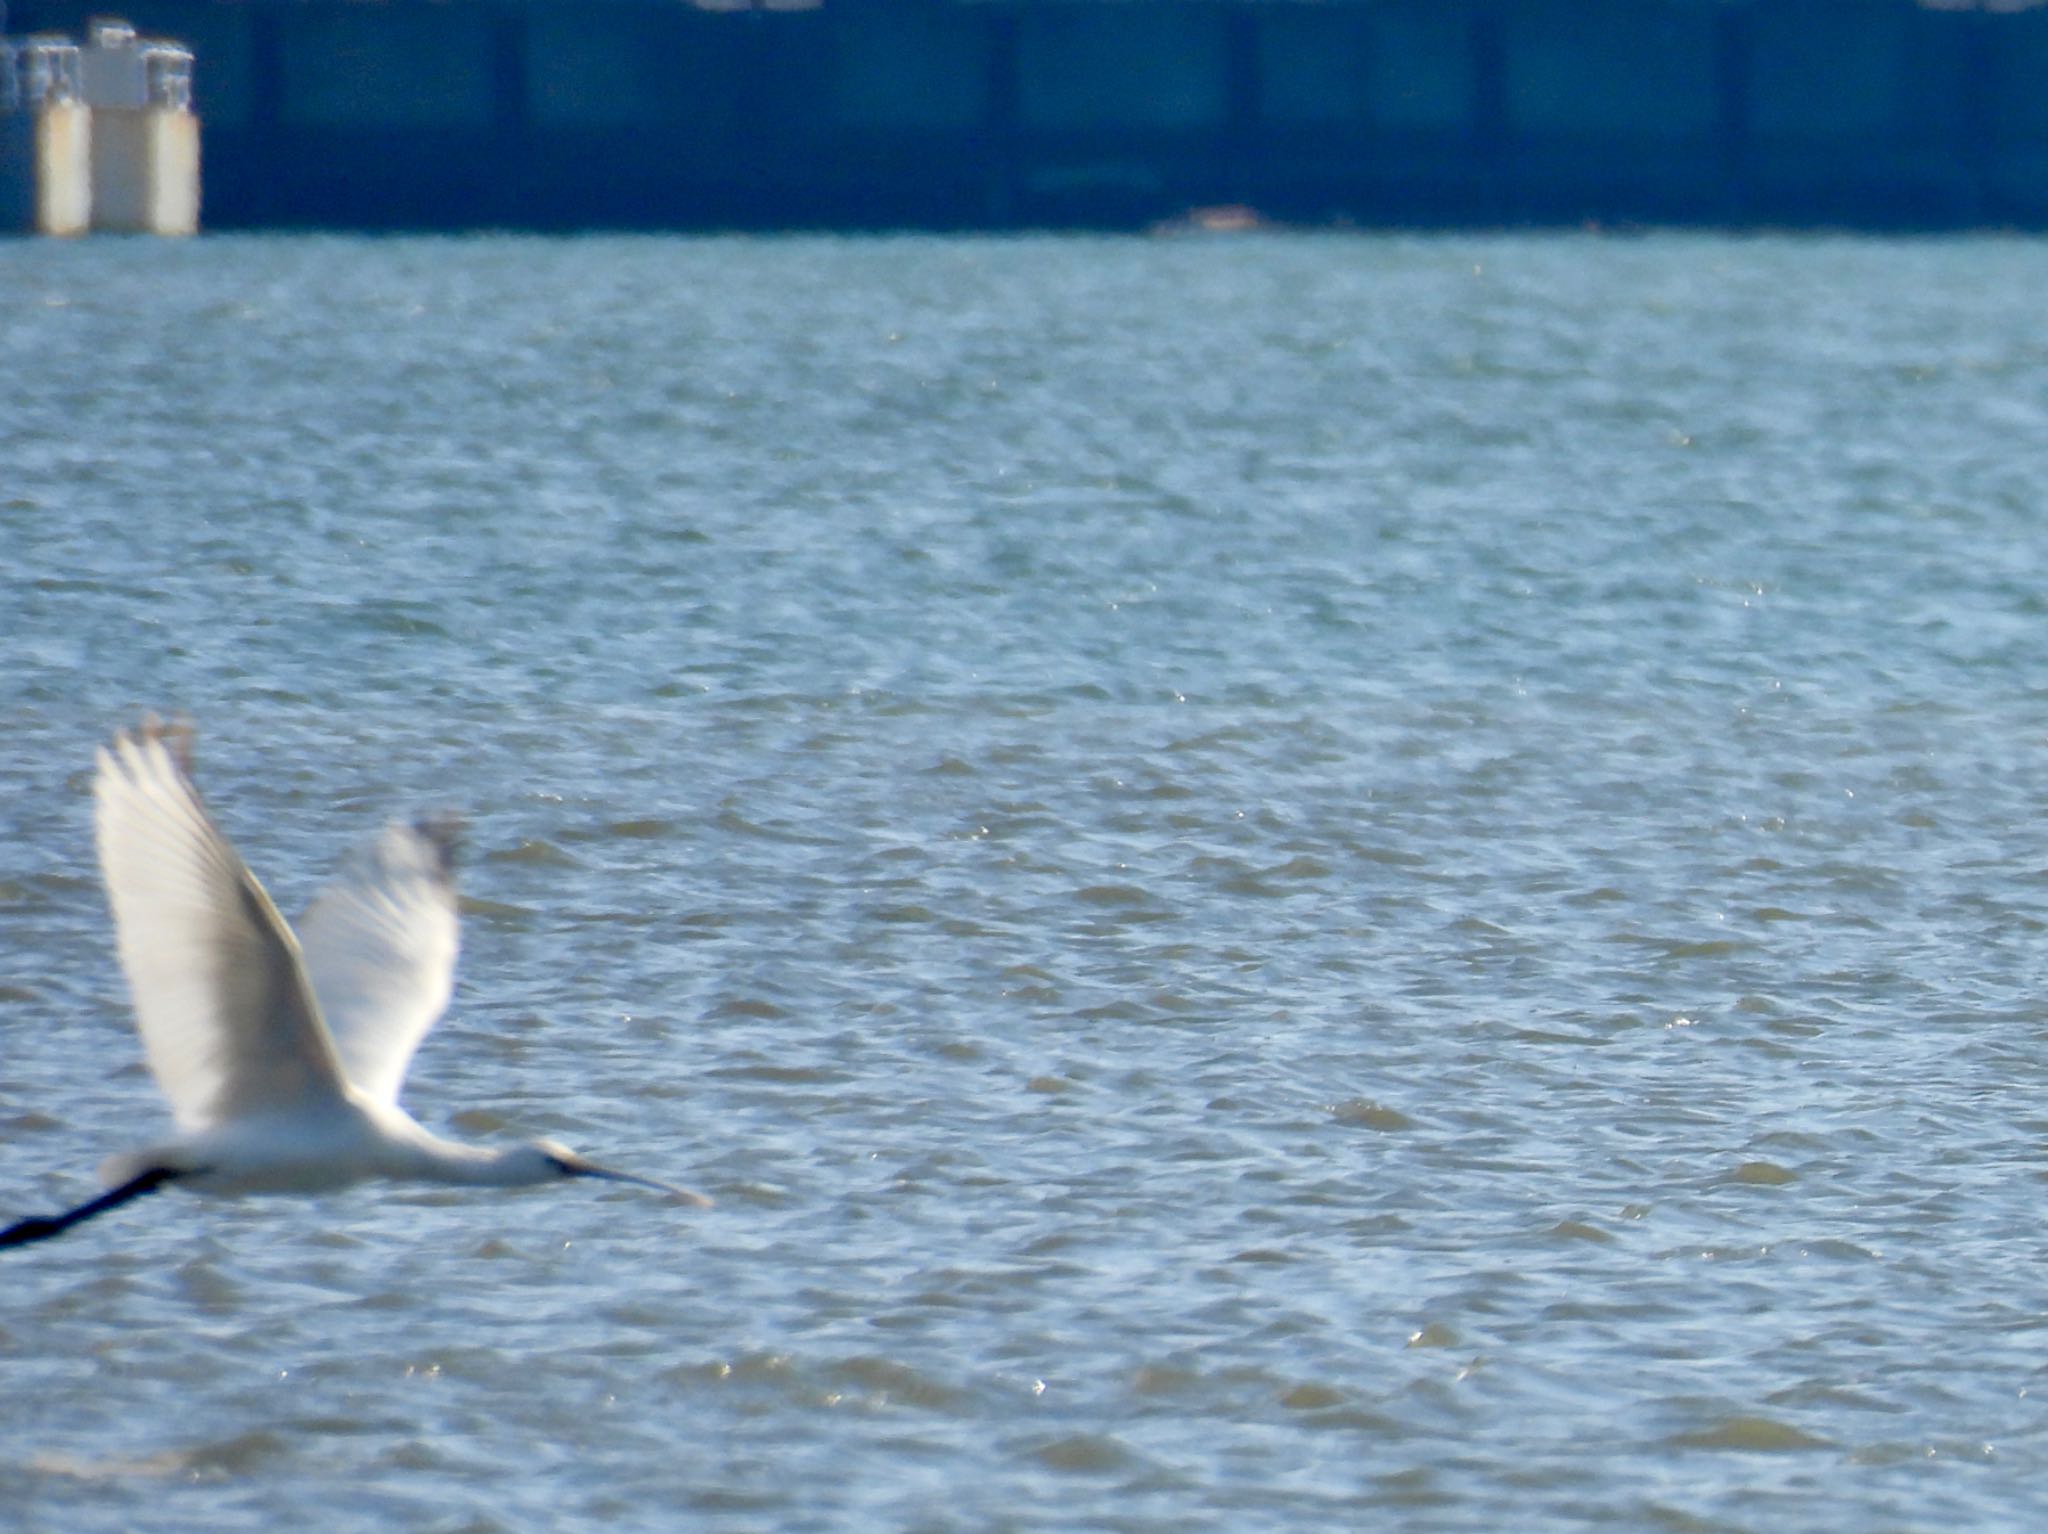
1003,112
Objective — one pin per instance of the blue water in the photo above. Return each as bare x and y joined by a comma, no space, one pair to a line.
1280,882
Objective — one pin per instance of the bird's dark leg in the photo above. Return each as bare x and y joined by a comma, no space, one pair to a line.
42,1227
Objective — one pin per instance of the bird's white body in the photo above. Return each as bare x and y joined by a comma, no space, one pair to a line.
321,1147
281,1053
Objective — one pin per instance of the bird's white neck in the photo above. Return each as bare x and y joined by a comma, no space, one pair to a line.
427,1157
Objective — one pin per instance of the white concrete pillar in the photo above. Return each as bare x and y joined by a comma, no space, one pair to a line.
63,168
48,132
145,138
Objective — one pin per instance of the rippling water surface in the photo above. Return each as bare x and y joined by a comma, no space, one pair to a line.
1281,883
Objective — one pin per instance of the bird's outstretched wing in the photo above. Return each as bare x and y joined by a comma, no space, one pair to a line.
380,946
228,1017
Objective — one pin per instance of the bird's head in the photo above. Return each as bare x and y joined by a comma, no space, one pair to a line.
548,1159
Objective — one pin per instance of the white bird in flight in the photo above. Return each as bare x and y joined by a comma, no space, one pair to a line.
282,1055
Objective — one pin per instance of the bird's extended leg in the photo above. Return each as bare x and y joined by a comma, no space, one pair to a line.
42,1227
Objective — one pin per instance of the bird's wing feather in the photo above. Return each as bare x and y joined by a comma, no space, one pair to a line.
228,1018
380,946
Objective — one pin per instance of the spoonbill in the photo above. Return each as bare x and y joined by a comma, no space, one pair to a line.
282,1055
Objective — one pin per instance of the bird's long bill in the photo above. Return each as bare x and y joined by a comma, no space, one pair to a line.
578,1167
